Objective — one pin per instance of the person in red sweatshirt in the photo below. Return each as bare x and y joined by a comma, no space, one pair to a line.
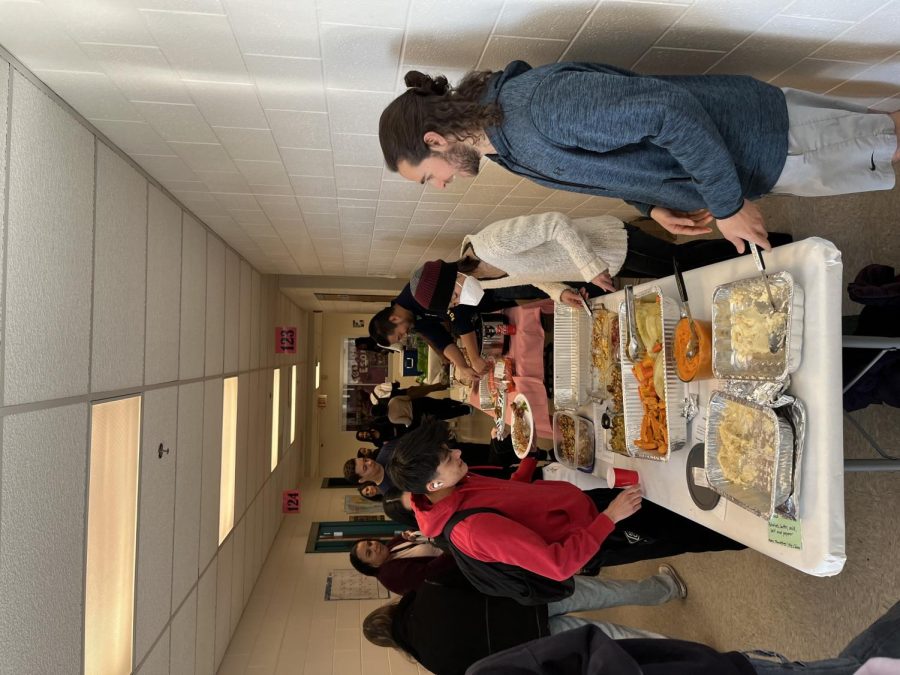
550,528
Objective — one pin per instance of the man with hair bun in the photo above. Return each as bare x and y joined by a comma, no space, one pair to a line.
682,149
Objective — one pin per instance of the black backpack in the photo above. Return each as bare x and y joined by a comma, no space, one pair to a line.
501,579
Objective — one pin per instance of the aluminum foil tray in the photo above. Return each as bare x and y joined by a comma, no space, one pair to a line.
772,395
795,411
606,324
737,298
584,438
675,390
749,453
484,395
603,436
571,356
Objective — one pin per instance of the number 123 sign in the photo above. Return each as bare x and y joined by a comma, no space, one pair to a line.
285,339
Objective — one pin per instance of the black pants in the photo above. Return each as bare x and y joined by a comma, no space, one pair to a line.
650,256
495,453
652,532
441,408
500,298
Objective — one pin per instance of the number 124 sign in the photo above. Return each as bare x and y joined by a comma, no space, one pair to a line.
285,339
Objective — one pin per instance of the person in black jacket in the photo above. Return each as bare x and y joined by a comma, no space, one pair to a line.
587,651
446,625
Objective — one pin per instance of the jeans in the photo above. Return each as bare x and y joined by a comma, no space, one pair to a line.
882,638
599,593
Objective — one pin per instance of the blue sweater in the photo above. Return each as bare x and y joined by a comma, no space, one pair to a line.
683,142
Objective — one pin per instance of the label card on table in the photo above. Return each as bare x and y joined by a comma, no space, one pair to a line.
785,531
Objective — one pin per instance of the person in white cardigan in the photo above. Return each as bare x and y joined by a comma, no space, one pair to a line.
552,251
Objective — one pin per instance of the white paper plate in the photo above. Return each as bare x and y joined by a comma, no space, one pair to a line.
527,419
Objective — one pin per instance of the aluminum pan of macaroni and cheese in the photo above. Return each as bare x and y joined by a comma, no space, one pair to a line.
676,425
749,453
571,356
742,320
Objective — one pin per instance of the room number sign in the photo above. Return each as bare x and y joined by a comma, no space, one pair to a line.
285,339
290,501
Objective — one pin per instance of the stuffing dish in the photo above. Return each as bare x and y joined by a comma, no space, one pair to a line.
573,441
607,373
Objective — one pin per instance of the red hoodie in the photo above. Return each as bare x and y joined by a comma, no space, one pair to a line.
548,527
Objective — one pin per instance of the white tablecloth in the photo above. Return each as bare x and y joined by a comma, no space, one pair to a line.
816,266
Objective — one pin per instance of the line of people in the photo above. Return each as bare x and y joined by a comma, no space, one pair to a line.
509,558
450,622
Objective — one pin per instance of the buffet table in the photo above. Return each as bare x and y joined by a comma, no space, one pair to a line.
816,266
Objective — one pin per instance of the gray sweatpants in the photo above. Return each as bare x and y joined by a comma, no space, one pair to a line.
835,147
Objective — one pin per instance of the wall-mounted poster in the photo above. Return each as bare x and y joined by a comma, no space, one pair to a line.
351,585
359,504
363,369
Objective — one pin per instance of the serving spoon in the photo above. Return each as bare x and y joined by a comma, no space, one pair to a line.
634,349
694,342
775,340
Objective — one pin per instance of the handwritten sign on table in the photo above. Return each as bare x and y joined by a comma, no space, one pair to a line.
785,531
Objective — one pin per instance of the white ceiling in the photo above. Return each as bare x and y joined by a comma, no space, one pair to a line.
261,115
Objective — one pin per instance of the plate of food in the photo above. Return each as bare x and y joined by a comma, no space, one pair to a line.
522,426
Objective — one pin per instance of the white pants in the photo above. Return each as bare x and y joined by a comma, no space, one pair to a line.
835,147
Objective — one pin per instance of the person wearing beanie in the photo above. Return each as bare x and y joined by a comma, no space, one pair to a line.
406,313
432,285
